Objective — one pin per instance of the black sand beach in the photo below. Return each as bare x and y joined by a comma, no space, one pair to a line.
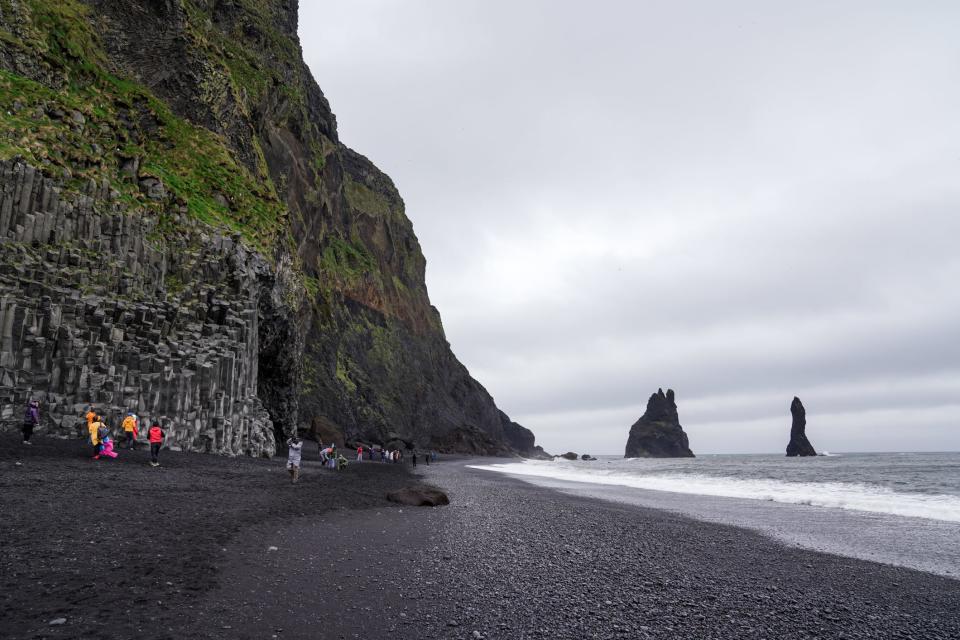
185,552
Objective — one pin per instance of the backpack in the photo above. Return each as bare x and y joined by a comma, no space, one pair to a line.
102,432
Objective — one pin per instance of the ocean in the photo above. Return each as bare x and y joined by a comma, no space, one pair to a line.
898,508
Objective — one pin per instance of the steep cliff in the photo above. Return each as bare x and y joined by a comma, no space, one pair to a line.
184,234
799,445
658,434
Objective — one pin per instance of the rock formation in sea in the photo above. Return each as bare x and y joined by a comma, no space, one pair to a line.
183,234
658,434
799,445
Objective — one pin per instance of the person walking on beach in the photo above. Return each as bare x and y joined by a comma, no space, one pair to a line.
360,453
414,459
294,449
31,420
155,435
98,431
426,457
130,429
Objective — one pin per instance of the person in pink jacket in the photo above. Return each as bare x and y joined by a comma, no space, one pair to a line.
107,449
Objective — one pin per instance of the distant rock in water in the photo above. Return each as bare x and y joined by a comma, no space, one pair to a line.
569,455
587,456
658,434
799,445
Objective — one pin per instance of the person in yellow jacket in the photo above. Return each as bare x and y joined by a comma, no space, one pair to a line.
97,428
130,429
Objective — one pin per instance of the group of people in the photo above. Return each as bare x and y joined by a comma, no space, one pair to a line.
99,433
372,453
330,458
103,446
102,442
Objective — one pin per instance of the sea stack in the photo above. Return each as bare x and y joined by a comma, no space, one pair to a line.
658,434
799,445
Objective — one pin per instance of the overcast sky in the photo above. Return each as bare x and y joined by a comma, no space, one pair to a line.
743,201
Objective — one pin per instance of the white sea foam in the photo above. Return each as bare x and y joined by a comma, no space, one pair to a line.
854,496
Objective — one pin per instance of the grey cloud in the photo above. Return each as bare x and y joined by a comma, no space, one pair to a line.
744,199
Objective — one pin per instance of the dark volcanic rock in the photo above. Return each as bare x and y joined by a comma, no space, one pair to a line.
256,277
658,434
569,455
522,439
587,456
419,497
799,445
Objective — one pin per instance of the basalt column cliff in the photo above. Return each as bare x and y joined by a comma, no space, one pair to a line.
183,234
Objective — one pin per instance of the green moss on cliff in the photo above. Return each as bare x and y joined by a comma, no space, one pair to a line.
365,200
348,260
96,122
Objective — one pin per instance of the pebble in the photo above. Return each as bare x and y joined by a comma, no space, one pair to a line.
58,621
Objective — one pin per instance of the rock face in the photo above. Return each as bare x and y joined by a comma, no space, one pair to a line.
799,445
522,439
183,234
658,434
86,316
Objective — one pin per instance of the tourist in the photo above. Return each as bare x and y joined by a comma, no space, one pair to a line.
383,455
156,436
426,457
294,447
91,415
106,447
95,428
31,420
130,429
360,453
414,459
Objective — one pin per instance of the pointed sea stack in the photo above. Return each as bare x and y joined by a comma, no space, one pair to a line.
658,433
799,445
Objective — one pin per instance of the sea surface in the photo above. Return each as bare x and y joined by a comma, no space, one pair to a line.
898,508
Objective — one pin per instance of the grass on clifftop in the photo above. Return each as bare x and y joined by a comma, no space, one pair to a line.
121,120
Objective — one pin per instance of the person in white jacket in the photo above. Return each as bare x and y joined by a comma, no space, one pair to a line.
294,449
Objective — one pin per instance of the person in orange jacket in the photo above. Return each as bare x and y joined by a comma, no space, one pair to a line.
97,430
130,429
156,436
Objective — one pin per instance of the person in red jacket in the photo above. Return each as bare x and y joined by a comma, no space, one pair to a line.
156,436
360,453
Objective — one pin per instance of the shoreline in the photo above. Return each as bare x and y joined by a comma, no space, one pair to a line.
922,544
508,559
231,550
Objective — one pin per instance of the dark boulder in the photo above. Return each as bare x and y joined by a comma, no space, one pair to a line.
658,434
799,445
569,455
419,497
587,456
